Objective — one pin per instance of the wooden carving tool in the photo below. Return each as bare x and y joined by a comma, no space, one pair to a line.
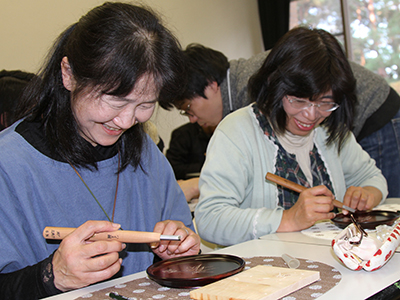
124,236
299,188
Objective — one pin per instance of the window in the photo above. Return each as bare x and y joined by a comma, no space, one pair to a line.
369,30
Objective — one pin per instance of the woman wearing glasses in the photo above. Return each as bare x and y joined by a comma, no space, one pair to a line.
298,128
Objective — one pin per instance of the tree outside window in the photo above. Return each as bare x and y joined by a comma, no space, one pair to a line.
374,28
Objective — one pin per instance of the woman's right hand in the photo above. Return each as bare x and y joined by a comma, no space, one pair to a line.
314,204
78,262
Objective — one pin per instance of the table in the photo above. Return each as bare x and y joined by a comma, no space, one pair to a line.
354,284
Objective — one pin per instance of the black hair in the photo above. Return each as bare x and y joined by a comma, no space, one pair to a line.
109,49
306,63
204,66
12,85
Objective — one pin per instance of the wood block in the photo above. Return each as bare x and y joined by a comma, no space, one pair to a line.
258,283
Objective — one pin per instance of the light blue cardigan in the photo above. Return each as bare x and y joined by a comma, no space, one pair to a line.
238,204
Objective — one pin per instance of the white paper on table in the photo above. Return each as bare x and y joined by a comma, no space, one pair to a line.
390,207
323,230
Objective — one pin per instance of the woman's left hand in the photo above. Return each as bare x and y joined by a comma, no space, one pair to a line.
188,245
362,198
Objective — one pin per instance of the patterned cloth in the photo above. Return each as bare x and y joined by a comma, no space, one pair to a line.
287,166
144,288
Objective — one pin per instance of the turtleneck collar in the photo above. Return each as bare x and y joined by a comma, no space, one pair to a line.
34,134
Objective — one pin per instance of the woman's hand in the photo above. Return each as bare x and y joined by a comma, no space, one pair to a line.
190,188
362,198
314,204
79,262
188,245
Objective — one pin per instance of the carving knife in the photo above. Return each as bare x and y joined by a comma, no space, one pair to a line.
124,236
299,188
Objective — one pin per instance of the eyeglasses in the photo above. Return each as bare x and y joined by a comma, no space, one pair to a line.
304,104
185,112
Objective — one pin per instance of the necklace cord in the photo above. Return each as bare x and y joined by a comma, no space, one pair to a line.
116,189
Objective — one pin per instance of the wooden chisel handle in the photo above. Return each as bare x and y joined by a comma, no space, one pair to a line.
124,236
299,188
285,183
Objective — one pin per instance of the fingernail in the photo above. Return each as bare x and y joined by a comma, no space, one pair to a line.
123,245
116,225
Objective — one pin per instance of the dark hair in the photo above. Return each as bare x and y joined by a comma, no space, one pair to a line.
12,84
204,66
306,63
109,50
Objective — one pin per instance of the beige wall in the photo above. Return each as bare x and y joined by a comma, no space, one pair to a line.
28,28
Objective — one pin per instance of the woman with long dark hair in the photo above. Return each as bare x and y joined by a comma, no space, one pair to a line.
78,157
299,127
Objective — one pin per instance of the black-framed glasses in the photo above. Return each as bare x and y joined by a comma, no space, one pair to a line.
304,104
185,112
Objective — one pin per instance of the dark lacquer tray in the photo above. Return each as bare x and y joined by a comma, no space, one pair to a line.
367,219
194,270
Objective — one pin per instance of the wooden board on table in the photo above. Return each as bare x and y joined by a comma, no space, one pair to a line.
258,283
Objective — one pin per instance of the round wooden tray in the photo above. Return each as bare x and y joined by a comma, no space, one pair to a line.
195,270
367,219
